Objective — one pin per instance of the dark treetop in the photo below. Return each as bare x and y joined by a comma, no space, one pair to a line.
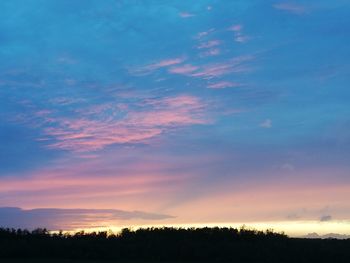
173,244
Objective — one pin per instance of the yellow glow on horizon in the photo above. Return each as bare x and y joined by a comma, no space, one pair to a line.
291,228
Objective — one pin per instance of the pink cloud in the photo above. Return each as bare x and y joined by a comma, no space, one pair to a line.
186,14
66,101
209,44
241,39
98,128
209,71
43,113
184,69
269,198
238,35
223,85
157,65
117,179
167,62
215,70
57,179
220,69
266,124
236,28
291,7
204,33
210,52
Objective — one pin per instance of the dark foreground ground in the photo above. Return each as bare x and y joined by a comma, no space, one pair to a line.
169,245
48,260
75,261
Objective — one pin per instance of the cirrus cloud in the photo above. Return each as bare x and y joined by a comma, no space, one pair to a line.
93,132
69,219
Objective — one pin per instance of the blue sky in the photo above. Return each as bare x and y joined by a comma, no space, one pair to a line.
170,107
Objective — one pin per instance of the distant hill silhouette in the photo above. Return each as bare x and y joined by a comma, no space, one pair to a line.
329,235
173,244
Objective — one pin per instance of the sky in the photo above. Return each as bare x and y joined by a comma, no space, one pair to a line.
131,113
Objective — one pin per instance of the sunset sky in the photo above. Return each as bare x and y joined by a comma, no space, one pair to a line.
204,112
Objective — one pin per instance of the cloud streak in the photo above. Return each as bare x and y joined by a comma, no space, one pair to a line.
238,35
266,124
98,130
69,219
214,70
186,15
148,69
224,85
291,8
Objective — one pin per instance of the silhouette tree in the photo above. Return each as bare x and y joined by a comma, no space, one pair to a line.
173,244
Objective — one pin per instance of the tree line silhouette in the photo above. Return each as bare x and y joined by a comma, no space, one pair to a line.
172,244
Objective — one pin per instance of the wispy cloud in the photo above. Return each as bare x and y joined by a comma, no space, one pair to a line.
210,52
238,34
235,65
204,34
147,69
325,218
183,69
186,14
210,48
214,70
241,38
119,178
266,124
291,8
236,28
209,44
95,131
207,71
223,85
66,101
69,219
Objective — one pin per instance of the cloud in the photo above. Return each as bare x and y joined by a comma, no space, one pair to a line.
184,69
166,63
69,219
128,178
208,71
62,101
148,69
203,34
241,38
235,65
266,124
186,14
210,52
293,216
209,44
236,28
223,85
238,35
210,48
325,218
106,125
291,8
